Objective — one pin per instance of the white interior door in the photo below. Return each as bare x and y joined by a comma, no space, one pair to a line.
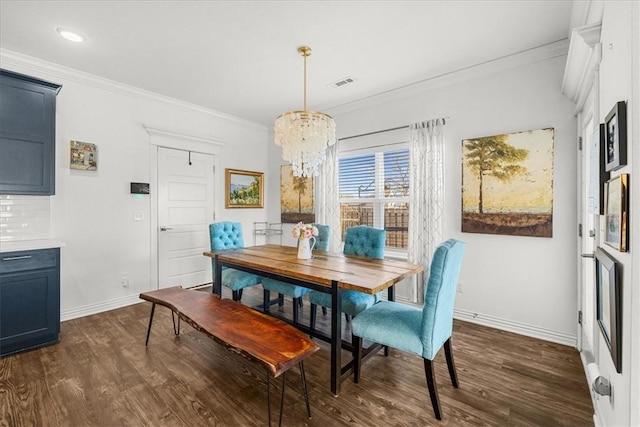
185,210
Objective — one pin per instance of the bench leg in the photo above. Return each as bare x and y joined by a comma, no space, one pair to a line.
176,330
284,375
269,399
153,309
304,388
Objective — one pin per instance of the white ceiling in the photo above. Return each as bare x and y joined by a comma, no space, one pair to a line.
240,57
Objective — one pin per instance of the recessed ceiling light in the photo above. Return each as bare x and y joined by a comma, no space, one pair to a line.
71,35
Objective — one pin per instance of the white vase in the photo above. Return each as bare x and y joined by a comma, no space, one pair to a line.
305,247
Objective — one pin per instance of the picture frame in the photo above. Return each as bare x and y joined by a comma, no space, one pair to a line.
616,213
598,176
615,124
244,189
609,304
83,156
296,197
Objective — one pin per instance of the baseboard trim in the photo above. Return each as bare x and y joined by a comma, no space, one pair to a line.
90,309
516,327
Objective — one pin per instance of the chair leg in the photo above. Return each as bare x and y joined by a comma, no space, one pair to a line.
296,311
386,351
280,300
450,364
324,311
356,343
236,295
239,294
431,384
347,318
266,296
301,302
312,315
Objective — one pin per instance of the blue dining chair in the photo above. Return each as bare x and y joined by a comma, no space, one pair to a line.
294,291
224,236
421,331
364,241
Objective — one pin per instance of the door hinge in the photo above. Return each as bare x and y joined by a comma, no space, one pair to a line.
579,230
580,143
579,317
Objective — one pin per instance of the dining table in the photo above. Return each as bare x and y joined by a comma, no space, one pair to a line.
328,272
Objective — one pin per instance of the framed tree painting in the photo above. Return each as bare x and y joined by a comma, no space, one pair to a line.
296,197
507,184
244,189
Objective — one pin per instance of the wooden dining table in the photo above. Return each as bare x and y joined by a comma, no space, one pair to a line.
327,272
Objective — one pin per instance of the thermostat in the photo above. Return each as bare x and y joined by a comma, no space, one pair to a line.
139,188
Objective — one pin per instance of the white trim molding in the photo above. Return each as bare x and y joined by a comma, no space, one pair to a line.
100,307
516,327
583,61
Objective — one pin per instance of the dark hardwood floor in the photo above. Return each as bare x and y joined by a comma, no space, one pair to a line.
101,374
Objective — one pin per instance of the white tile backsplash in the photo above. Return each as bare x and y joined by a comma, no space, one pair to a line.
24,217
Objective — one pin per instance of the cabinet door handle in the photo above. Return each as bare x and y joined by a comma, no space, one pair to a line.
15,258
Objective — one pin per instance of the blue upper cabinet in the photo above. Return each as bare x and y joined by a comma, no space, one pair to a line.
27,135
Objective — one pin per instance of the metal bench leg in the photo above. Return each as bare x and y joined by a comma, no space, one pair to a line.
304,387
176,331
269,398
284,375
153,309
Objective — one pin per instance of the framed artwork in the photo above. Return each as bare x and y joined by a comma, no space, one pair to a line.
507,184
616,213
616,137
608,304
244,189
83,156
296,197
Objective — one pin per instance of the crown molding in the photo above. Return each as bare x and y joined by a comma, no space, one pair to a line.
28,64
583,60
529,56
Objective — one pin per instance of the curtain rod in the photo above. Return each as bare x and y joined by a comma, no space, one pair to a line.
383,130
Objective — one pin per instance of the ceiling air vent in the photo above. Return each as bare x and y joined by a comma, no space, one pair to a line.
342,82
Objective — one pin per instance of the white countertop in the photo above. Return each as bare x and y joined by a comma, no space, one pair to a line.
26,245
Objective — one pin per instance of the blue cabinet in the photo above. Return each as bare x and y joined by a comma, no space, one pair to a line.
29,299
27,134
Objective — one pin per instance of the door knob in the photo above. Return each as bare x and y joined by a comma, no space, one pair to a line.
165,228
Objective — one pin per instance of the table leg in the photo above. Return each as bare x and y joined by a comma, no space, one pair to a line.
217,286
336,337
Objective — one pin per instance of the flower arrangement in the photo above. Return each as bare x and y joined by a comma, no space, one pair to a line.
301,230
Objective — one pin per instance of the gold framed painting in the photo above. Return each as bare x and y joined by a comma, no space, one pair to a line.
244,189
617,213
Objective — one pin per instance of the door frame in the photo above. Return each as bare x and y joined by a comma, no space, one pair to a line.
177,141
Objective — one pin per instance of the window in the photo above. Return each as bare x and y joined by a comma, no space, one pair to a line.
374,191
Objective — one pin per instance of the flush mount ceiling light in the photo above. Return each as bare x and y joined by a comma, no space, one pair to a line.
304,135
71,35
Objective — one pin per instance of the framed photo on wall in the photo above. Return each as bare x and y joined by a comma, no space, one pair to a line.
617,212
608,304
615,125
244,189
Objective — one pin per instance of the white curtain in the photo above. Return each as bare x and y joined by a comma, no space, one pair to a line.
328,203
426,195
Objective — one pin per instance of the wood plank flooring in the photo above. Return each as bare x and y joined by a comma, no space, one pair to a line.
101,374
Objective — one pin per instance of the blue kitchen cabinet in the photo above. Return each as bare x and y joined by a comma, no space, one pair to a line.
27,134
29,299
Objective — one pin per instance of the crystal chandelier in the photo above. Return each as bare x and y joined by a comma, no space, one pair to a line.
304,135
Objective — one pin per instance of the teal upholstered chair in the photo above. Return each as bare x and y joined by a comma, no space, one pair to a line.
361,240
228,235
414,330
295,292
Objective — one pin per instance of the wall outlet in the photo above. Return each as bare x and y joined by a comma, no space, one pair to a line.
459,288
124,280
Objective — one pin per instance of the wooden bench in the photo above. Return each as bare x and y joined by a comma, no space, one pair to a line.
274,344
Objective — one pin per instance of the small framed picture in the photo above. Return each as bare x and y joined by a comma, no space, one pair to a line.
615,125
608,304
617,213
83,156
244,189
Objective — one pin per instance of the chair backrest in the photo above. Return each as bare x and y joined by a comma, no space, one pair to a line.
437,312
322,239
226,235
363,240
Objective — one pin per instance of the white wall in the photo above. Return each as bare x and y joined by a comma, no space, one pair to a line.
92,212
523,284
620,20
